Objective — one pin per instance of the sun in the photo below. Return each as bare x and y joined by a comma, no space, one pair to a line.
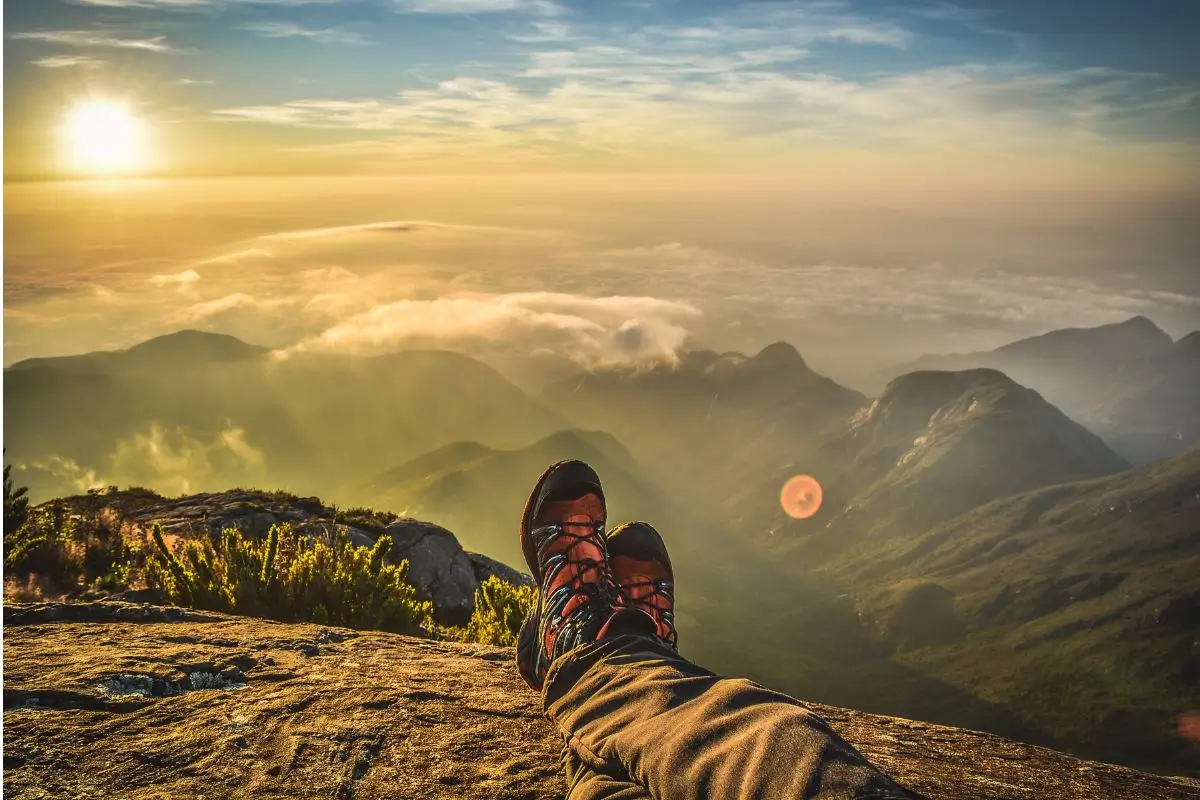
102,137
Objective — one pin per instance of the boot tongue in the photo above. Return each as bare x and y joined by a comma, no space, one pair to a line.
585,510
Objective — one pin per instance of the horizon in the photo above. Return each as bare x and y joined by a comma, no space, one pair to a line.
284,351
613,268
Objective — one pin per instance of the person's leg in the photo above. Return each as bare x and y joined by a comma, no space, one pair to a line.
590,781
632,703
599,644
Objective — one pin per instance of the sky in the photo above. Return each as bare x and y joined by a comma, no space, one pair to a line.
288,86
614,181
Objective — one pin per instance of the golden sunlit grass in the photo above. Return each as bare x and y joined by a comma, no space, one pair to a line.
102,137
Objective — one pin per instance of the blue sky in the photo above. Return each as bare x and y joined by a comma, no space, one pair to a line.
387,84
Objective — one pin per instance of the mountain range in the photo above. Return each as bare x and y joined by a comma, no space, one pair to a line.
208,411
986,554
1128,382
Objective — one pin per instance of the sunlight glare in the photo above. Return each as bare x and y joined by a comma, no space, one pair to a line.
801,497
102,137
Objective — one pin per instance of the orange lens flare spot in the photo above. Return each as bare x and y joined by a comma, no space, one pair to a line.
801,497
1189,726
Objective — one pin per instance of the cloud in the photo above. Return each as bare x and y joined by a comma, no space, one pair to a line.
97,38
183,279
386,226
747,82
550,30
195,82
595,330
234,440
544,7
69,471
179,461
63,62
231,302
196,5
290,30
739,93
235,256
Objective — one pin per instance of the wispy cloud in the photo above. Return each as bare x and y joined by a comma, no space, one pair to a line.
601,330
618,100
386,226
178,4
176,460
64,62
544,7
195,82
751,78
231,302
183,279
70,473
290,30
99,38
186,5
235,257
550,30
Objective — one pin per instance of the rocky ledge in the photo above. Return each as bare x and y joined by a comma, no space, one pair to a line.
135,701
439,569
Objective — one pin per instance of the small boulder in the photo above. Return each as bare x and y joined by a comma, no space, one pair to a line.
438,568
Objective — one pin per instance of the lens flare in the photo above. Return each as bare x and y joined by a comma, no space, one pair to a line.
1189,726
801,497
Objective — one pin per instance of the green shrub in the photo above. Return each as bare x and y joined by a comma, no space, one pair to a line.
16,504
72,551
500,608
290,578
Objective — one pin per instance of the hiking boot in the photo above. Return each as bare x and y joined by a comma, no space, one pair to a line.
562,537
641,568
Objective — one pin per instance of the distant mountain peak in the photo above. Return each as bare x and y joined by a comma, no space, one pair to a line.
188,335
1139,322
193,344
779,355
940,386
176,350
1132,338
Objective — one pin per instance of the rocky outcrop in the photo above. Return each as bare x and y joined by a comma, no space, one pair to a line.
117,700
439,569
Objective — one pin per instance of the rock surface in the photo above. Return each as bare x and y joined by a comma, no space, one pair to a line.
119,700
439,569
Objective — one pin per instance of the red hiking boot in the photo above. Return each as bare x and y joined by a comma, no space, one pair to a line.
562,536
641,568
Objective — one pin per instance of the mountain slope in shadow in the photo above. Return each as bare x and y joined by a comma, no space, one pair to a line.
932,446
1128,382
713,418
208,411
1078,602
